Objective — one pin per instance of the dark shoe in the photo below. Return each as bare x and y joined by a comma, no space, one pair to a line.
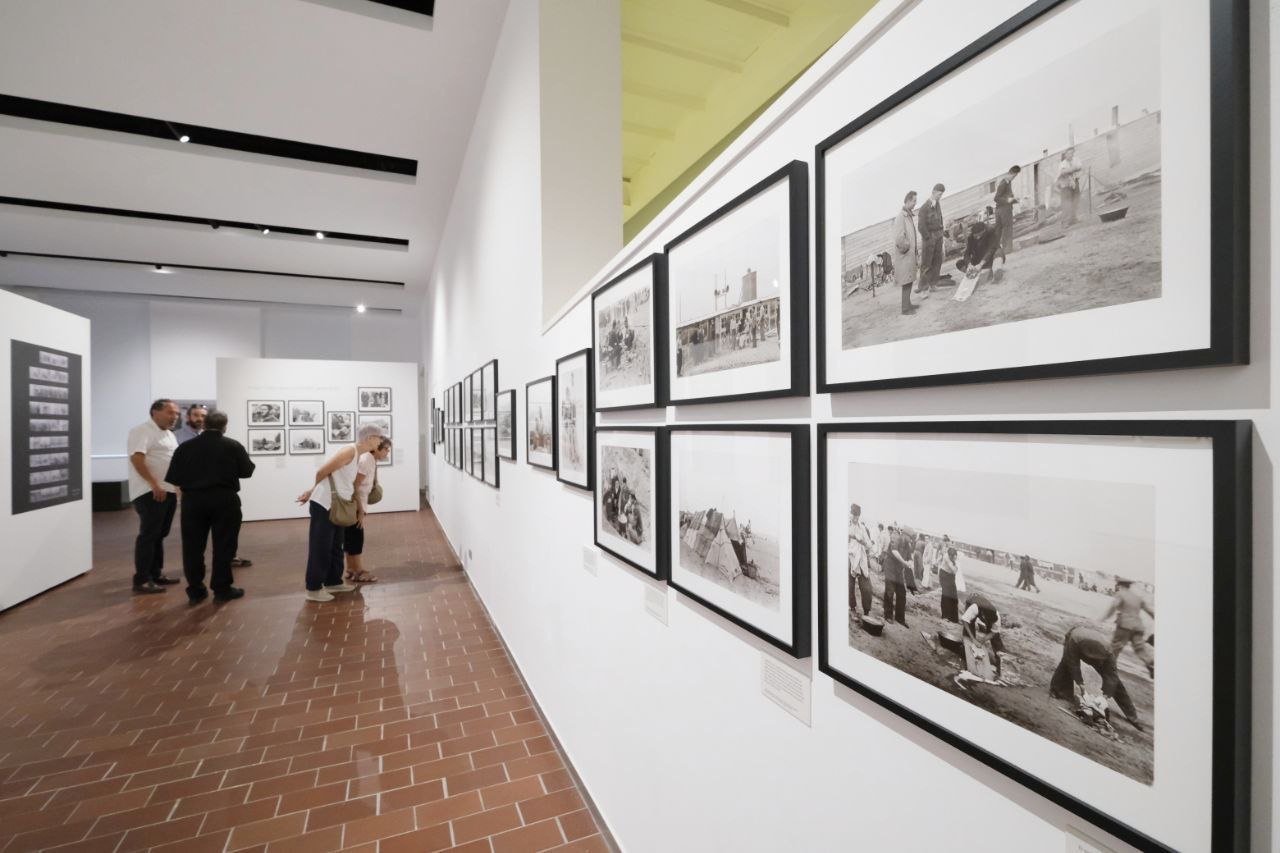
239,563
903,623
194,598
147,588
231,593
165,580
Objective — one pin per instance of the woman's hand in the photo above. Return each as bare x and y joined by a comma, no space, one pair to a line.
305,496
360,514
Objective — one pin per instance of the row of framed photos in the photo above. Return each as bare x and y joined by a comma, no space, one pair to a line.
951,250
979,579
476,425
304,427
474,399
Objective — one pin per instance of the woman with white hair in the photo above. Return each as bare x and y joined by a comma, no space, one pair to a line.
324,543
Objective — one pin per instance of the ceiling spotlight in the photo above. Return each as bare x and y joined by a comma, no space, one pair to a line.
160,269
4,254
184,138
266,230
215,225
319,235
360,309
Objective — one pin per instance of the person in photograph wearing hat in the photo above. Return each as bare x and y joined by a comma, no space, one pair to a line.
931,231
1127,605
860,545
897,567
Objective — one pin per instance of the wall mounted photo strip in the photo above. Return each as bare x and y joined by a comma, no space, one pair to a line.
575,450
738,297
489,390
630,497
507,425
540,422
46,398
265,413
489,455
1039,557
1007,214
627,337
738,522
374,399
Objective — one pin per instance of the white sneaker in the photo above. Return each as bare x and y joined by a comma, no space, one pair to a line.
318,595
340,587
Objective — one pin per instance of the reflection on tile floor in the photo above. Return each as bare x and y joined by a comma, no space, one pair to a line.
391,719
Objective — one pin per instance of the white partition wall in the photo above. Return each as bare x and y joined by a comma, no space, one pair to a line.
45,509
279,479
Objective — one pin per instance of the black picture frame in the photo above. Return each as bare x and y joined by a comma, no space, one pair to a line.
489,391
1228,204
588,414
796,174
328,426
800,643
361,407
265,424
317,451
510,396
476,400
281,434
658,330
528,422
661,509
1232,609
321,423
489,442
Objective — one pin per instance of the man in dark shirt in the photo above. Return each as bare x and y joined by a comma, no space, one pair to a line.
931,230
1005,199
1091,646
208,470
897,565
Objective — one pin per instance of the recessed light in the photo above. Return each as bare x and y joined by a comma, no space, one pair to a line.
360,309
160,269
266,230
184,138
215,225
319,235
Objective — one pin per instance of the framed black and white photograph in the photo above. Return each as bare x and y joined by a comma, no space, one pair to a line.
477,396
630,497
466,399
342,427
474,453
266,413
266,441
489,454
627,318
306,413
306,442
489,390
1007,215
506,422
738,297
382,422
47,420
374,399
540,422
1036,556
739,522
574,415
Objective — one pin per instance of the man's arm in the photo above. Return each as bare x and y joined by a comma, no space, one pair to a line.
244,465
1111,610
139,462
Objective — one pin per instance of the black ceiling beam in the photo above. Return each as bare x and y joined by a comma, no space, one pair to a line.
18,254
422,7
232,140
201,220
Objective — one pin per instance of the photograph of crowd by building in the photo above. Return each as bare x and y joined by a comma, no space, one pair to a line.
1055,209
1042,616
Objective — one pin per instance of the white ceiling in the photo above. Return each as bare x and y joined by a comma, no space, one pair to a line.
344,73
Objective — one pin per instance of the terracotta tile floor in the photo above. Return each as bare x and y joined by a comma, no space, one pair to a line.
389,720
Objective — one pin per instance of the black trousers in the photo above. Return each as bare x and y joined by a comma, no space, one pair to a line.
950,597
215,511
930,260
1062,685
154,520
860,584
895,601
324,550
906,298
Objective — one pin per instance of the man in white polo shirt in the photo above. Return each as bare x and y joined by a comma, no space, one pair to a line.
151,446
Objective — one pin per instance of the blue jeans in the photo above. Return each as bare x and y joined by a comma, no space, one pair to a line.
324,550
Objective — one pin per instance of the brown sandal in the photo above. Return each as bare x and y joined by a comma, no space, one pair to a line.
362,577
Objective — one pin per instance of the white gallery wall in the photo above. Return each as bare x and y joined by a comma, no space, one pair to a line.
45,546
665,721
277,481
147,347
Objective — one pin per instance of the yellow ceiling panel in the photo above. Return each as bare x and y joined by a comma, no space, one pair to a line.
695,71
